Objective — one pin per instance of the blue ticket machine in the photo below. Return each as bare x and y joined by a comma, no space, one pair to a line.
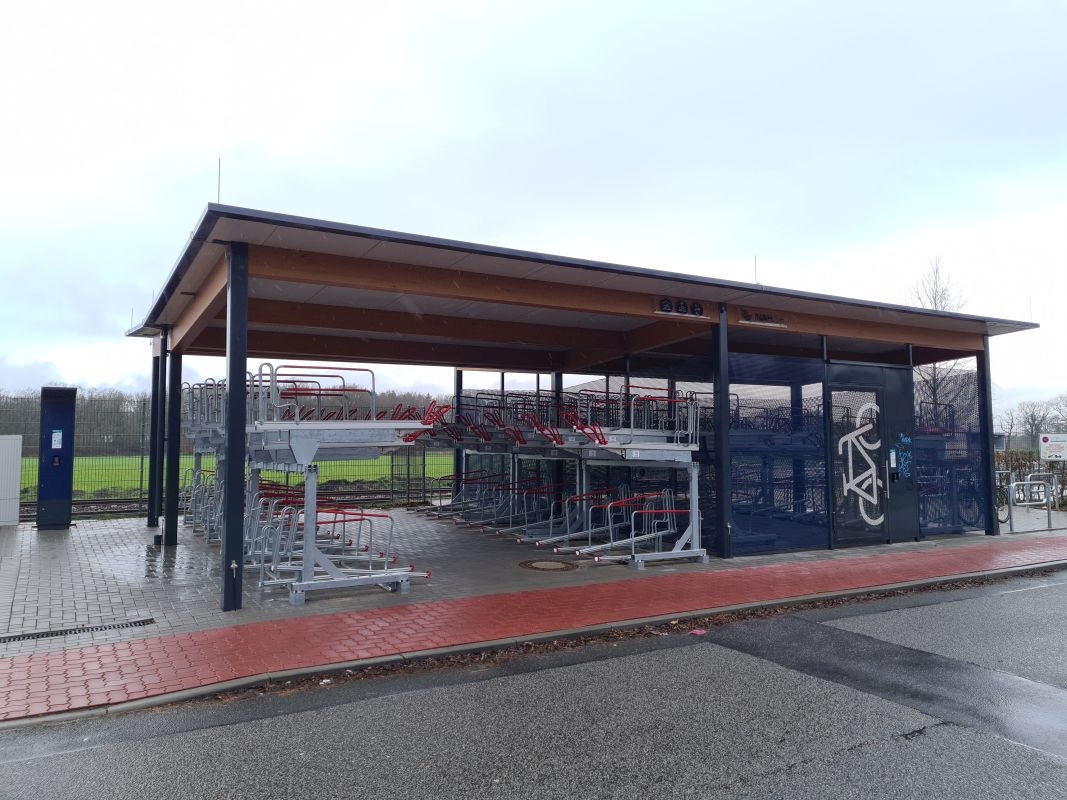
55,462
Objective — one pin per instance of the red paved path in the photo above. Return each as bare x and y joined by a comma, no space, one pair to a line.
103,675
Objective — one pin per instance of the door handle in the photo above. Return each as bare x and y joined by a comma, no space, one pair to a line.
887,480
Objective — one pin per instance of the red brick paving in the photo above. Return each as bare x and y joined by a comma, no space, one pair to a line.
102,675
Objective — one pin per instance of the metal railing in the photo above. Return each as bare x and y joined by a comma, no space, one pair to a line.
1042,490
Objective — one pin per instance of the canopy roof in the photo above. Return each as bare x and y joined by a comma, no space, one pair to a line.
330,291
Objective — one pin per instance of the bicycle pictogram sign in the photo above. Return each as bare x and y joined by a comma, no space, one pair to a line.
861,473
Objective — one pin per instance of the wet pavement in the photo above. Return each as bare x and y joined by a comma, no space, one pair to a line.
792,706
97,616
1015,708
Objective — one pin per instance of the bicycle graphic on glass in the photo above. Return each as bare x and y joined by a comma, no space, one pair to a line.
860,475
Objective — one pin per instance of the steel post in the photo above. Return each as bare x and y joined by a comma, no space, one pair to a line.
236,413
174,432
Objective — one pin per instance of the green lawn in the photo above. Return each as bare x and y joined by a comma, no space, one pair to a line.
127,476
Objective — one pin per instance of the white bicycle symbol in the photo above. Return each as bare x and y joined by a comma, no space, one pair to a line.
863,483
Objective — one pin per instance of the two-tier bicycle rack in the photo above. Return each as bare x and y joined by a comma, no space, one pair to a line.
298,417
640,428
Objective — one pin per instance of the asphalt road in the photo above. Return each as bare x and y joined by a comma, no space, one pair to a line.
942,694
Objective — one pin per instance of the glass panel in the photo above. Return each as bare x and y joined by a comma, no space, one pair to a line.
778,456
949,456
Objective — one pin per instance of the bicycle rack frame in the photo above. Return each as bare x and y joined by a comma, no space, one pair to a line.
1027,487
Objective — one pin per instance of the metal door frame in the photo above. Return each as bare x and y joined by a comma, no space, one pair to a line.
896,426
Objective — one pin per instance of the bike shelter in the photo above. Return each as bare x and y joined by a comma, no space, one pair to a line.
739,418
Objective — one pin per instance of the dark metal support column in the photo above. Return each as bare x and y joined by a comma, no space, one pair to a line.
800,483
723,506
161,427
457,454
153,443
557,464
828,427
985,417
236,368
174,433
557,395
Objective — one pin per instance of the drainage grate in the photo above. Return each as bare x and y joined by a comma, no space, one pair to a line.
111,626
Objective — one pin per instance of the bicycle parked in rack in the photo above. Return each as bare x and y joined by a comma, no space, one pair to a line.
951,501
1002,499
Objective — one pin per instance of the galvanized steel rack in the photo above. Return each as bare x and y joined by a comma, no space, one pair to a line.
648,427
297,417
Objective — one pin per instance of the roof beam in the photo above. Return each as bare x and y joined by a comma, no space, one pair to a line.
358,320
582,358
665,332
323,269
662,333
867,330
207,303
273,344
928,355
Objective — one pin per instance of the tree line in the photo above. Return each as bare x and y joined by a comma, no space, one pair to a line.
106,421
115,423
1023,424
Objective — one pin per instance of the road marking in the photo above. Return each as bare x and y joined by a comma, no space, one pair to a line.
1033,588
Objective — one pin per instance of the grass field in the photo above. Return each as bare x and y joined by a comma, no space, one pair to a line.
126,477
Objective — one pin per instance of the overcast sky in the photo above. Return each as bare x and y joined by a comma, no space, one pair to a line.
844,145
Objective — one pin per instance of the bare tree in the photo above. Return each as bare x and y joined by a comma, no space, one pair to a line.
1058,406
1034,418
1008,420
944,391
935,290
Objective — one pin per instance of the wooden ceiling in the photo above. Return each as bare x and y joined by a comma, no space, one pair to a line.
328,291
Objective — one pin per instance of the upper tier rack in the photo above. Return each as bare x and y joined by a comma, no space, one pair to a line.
296,415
